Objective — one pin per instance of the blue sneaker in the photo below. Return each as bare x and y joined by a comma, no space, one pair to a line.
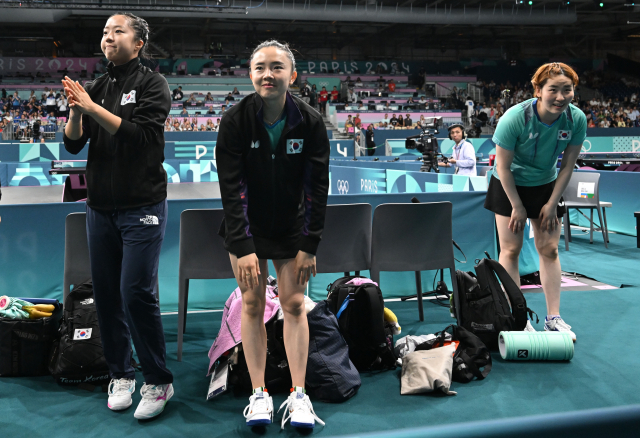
558,325
259,412
300,411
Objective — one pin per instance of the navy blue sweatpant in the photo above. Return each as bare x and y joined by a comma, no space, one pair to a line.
124,247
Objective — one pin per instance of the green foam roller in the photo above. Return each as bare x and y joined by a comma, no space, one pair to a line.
535,346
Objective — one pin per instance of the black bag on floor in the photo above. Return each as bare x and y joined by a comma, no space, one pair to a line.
78,358
470,357
484,308
277,376
331,376
360,314
25,345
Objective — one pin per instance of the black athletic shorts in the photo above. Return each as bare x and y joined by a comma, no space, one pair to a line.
271,248
533,198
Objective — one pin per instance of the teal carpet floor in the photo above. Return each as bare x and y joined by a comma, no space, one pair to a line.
603,373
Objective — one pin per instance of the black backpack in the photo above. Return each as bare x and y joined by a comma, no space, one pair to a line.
360,314
277,376
484,308
470,357
78,358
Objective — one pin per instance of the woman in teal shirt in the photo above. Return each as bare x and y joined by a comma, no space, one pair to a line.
529,139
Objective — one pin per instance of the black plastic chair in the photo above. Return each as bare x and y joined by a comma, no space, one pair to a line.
573,200
413,237
202,256
346,239
77,267
77,264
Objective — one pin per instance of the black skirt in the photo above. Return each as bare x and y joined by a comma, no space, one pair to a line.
269,248
533,198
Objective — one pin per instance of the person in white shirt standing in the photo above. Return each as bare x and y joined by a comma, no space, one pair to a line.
463,155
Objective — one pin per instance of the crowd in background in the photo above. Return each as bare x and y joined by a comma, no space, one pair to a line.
28,118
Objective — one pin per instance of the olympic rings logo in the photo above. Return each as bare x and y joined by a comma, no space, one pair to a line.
343,187
584,148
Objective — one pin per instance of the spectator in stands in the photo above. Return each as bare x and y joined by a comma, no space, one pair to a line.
394,121
208,98
210,126
192,99
167,124
371,144
62,106
211,110
408,123
51,102
358,82
400,123
334,94
51,118
178,94
422,123
217,124
176,126
229,97
235,91
223,109
357,120
385,121
313,98
381,81
351,96
391,86
387,106
184,112
349,122
324,97
380,89
305,92
202,128
361,106
410,99
194,123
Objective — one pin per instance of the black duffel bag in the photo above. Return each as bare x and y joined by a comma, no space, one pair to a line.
25,345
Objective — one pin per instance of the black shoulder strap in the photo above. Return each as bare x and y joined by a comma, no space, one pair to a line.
518,302
375,308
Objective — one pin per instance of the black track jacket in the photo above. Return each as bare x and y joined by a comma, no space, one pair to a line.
125,170
272,194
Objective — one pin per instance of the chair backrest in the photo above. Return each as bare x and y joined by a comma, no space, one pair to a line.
580,188
77,267
411,237
346,239
202,253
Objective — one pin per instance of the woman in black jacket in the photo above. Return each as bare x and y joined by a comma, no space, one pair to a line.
273,166
123,113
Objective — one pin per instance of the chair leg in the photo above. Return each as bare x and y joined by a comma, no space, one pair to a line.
606,227
419,292
183,298
347,274
456,294
604,233
567,230
591,226
357,273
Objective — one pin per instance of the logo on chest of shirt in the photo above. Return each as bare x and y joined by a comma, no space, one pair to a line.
255,145
564,135
130,97
294,146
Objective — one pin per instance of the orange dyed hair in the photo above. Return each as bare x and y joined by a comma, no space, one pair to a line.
552,70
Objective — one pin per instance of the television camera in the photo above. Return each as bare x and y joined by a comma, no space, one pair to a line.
427,144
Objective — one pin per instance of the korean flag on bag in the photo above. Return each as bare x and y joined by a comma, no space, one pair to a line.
294,146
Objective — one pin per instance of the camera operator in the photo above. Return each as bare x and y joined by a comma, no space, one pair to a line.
463,155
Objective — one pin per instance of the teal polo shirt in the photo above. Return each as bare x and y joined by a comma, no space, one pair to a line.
536,145
275,131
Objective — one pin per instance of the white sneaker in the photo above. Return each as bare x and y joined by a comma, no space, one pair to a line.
120,391
259,412
300,411
529,327
154,399
558,325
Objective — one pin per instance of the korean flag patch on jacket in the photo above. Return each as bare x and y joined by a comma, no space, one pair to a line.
564,135
130,97
294,146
